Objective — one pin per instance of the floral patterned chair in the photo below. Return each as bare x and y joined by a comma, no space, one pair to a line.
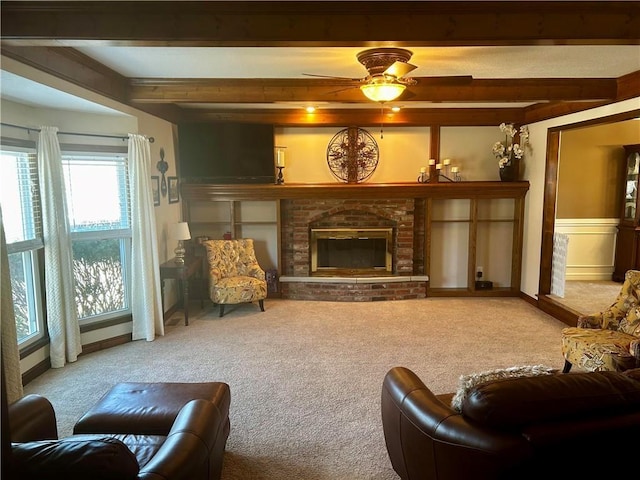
608,340
234,274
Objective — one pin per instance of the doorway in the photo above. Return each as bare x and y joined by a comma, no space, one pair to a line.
566,311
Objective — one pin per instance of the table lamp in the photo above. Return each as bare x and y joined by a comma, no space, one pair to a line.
180,232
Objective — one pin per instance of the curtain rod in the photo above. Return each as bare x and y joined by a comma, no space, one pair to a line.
121,137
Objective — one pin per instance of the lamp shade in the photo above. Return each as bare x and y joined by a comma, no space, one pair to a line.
180,231
382,91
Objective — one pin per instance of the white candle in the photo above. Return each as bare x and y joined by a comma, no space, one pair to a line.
280,158
447,161
423,169
432,162
438,166
454,169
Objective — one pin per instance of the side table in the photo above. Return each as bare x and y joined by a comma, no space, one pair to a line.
182,272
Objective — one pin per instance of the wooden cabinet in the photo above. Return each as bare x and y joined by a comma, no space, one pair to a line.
628,238
468,235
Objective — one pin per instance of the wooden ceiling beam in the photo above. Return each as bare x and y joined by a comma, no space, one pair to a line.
74,67
349,23
373,117
545,111
629,86
240,90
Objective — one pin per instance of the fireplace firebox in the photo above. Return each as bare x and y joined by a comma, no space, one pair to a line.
351,251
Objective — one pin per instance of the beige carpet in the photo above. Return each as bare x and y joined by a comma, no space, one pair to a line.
589,296
305,376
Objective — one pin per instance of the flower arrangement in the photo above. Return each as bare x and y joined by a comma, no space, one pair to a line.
508,151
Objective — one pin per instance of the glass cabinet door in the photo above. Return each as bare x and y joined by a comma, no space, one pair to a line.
631,195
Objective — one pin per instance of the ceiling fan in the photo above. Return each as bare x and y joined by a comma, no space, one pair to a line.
387,68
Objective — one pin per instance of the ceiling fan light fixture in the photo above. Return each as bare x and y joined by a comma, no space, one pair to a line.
382,91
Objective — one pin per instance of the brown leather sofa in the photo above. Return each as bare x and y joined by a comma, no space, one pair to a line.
576,425
124,441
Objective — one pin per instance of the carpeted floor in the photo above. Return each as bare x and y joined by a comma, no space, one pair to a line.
305,376
589,296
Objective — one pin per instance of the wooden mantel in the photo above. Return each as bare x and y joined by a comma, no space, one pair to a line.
209,192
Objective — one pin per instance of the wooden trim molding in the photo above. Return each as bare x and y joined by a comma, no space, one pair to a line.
549,212
444,190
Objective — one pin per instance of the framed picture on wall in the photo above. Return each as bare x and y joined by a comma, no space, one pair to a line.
155,189
173,189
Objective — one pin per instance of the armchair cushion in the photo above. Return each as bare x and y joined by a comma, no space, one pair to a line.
240,290
598,350
74,458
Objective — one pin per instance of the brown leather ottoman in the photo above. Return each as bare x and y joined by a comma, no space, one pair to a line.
149,408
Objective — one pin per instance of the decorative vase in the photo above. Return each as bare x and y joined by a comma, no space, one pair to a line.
510,173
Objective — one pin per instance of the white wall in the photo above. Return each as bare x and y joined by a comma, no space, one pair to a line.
591,250
402,151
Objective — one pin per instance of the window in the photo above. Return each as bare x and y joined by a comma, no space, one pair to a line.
20,199
99,217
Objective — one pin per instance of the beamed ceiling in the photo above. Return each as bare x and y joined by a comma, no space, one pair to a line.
85,42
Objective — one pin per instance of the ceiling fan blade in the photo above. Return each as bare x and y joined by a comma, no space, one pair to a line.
341,90
332,77
399,69
406,95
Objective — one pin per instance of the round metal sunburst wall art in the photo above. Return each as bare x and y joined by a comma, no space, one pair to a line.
352,155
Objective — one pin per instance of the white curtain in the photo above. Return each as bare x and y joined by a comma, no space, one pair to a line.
62,319
146,303
10,354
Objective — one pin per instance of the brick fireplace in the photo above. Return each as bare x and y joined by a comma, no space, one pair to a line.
404,217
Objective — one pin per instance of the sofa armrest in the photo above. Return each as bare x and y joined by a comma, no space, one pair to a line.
32,418
187,451
428,438
608,319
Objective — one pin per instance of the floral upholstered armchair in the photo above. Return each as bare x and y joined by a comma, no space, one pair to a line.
234,274
609,340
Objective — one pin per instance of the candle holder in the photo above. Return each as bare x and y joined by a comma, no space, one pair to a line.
423,177
280,179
